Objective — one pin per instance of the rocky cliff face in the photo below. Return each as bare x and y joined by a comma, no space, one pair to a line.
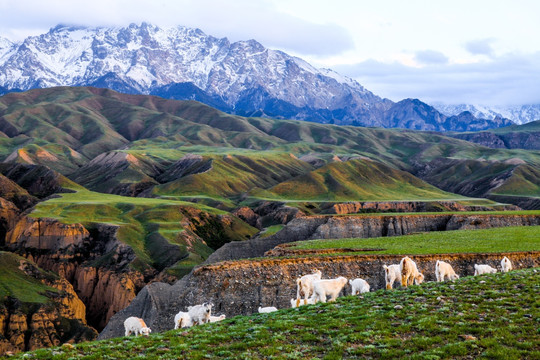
69,250
404,206
29,326
239,287
335,227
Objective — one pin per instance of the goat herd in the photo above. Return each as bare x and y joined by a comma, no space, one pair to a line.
316,289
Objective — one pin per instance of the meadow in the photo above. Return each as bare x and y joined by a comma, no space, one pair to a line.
503,239
487,317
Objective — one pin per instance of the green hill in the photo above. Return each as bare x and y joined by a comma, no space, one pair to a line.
355,180
158,231
72,130
486,317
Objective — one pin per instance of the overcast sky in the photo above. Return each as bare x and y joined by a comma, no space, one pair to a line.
458,51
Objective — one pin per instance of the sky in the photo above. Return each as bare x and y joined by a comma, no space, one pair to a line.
461,51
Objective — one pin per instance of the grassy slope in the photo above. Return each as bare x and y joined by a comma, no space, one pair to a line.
144,223
524,181
64,122
16,284
352,180
487,317
523,238
232,175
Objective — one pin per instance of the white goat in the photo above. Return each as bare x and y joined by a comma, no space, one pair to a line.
182,320
267,309
216,318
136,326
332,287
391,274
294,302
443,269
483,269
409,272
305,285
359,286
506,264
200,314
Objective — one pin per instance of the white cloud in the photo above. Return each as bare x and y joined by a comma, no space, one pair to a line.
480,47
237,20
428,57
505,80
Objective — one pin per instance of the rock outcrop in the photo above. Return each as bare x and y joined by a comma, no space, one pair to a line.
405,206
335,227
69,250
28,326
46,234
239,287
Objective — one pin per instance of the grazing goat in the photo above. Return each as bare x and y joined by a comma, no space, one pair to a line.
305,285
200,314
136,326
409,272
182,320
391,274
506,264
267,309
216,318
332,287
443,269
359,286
294,302
483,269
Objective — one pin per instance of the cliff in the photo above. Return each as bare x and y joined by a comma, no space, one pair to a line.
34,316
239,287
335,227
355,207
71,251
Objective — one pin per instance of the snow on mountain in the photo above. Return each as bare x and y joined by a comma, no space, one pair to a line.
242,77
6,48
147,56
520,114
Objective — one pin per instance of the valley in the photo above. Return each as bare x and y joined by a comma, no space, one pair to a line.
134,200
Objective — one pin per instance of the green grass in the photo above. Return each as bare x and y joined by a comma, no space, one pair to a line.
271,230
488,317
17,284
232,175
505,239
355,180
147,225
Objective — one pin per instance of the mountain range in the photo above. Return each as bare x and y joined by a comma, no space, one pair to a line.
519,114
242,78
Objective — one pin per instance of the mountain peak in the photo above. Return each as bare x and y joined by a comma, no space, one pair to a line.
179,62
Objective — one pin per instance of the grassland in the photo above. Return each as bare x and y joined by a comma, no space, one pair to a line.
16,284
504,239
355,180
148,226
487,317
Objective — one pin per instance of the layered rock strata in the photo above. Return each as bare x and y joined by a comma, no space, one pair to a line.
239,287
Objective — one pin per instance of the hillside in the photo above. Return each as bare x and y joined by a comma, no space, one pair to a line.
242,77
37,308
131,144
475,317
525,136
354,180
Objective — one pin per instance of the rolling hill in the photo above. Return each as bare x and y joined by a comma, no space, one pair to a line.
131,144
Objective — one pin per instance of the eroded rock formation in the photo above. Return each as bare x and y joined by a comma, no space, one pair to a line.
335,227
239,287
29,326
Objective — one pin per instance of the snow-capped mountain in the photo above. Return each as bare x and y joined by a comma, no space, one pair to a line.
520,114
241,77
